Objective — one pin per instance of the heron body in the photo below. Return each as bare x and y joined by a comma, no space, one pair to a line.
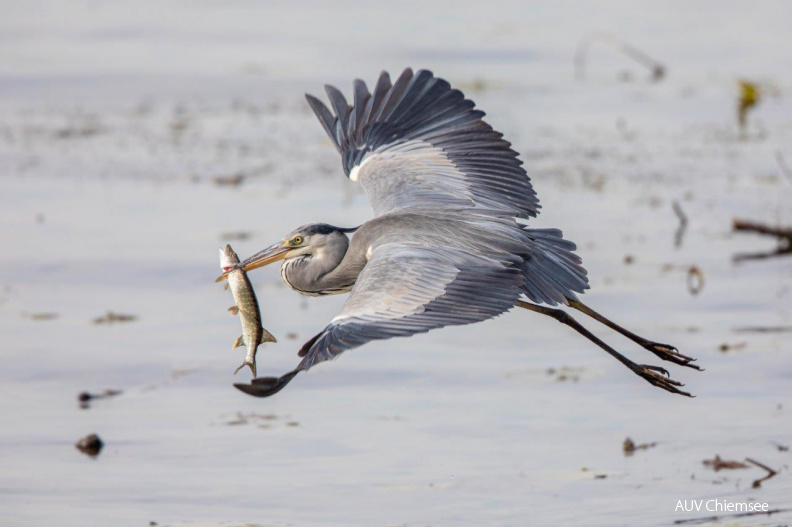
449,243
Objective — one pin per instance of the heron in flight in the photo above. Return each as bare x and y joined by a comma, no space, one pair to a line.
449,243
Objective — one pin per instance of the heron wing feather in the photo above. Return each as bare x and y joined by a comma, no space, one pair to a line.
407,289
423,139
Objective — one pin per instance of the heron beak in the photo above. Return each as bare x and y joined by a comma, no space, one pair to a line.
271,254
260,259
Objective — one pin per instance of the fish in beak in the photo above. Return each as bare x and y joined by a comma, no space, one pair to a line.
271,254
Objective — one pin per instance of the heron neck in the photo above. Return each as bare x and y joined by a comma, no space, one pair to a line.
342,276
330,270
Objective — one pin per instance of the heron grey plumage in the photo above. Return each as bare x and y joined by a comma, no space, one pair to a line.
449,244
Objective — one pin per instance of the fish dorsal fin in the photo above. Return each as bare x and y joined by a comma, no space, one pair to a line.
240,341
234,310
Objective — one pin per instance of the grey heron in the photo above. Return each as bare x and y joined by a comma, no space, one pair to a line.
449,243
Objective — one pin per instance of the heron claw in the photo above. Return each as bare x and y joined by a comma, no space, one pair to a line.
657,369
671,354
657,376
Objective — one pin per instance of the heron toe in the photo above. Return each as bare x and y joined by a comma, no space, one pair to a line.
671,354
657,376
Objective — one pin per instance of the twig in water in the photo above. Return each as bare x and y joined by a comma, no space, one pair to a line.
783,166
743,225
110,317
720,464
763,329
629,447
708,519
784,237
683,223
770,472
657,69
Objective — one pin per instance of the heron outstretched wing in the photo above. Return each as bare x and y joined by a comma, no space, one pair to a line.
406,289
419,142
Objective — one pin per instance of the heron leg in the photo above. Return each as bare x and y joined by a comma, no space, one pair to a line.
664,351
655,375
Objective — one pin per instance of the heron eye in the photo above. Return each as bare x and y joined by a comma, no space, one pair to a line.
297,240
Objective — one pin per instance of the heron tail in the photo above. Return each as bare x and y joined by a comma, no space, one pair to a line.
553,272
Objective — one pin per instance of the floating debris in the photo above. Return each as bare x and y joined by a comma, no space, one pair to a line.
718,464
629,447
90,445
232,236
748,99
683,223
43,316
628,259
78,132
85,398
782,235
229,181
260,420
763,329
717,518
656,69
785,169
560,374
770,473
565,373
695,280
111,317
180,126
725,347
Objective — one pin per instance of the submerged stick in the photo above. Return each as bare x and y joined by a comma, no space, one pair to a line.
759,228
656,68
783,166
770,472
708,519
683,223
783,235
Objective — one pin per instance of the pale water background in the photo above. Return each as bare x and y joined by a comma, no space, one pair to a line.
114,121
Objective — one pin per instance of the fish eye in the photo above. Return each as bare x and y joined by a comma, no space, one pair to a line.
297,240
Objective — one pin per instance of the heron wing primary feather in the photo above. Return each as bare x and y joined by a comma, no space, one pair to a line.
407,289
419,142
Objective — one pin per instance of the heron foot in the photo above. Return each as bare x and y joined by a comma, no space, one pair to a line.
657,376
670,353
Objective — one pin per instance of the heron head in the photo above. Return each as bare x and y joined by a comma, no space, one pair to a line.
314,239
